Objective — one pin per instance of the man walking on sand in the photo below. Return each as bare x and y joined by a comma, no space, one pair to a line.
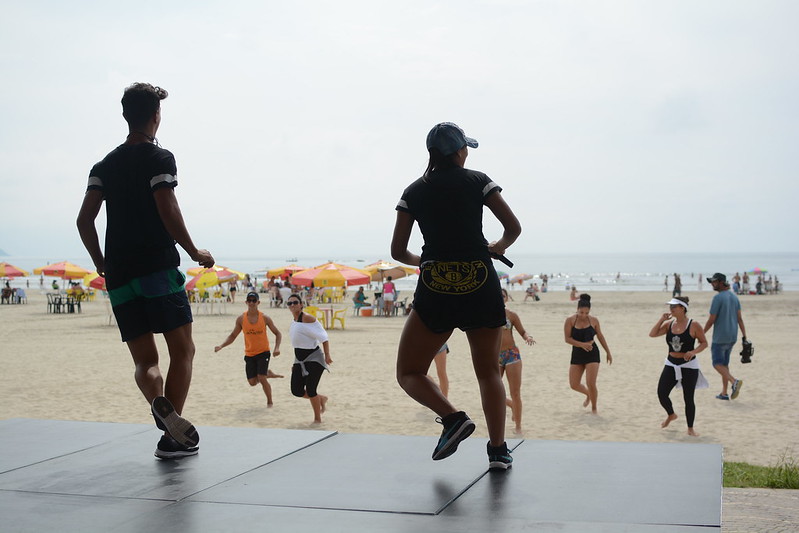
725,319
256,344
137,181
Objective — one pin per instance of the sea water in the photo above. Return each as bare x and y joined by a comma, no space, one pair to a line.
588,272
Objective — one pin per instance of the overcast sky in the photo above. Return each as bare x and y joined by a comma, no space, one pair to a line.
613,126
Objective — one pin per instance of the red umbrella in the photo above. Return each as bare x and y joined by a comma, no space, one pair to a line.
7,270
331,275
95,281
63,270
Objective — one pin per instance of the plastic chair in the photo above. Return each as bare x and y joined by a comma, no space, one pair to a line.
340,315
318,313
20,297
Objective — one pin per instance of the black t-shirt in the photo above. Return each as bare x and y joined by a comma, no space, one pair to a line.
448,205
136,241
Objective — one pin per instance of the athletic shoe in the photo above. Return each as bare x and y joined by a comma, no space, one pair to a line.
169,448
736,388
178,427
499,457
457,427
722,397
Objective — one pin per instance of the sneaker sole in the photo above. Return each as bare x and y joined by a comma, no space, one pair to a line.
499,465
466,429
162,454
737,390
178,427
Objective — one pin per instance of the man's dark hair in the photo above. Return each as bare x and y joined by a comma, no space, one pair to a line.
140,102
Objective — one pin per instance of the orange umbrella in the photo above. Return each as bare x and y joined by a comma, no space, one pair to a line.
331,275
7,270
63,270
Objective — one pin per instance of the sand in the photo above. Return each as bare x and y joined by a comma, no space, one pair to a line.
74,367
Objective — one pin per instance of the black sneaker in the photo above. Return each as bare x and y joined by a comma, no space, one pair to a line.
457,427
169,448
167,419
499,457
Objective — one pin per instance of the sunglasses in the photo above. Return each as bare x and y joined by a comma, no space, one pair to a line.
293,302
251,301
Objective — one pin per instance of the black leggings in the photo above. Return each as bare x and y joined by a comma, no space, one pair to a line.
302,385
668,382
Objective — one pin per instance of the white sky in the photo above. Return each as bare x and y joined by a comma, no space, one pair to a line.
613,126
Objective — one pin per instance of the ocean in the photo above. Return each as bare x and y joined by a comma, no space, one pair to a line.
588,272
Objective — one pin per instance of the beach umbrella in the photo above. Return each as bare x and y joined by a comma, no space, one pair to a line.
209,277
383,269
331,275
7,270
285,271
518,278
758,270
502,275
95,281
63,270
199,270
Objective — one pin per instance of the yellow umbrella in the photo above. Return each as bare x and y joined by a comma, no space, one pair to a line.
383,269
331,275
7,270
285,271
63,270
209,277
197,270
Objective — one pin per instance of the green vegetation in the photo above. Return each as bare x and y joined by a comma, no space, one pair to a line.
783,475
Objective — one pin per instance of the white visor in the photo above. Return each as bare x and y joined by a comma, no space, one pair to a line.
675,301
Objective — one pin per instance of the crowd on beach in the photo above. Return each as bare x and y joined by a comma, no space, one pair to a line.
458,288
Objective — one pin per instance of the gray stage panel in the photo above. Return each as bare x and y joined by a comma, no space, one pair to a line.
25,441
26,512
360,472
188,517
602,482
126,467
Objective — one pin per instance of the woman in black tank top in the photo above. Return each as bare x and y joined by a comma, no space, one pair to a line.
579,331
680,365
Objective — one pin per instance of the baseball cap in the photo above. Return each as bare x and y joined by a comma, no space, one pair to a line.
675,301
448,138
253,295
718,276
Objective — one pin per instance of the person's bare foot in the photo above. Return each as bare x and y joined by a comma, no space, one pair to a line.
669,420
270,404
317,421
518,432
692,433
587,401
323,403
594,412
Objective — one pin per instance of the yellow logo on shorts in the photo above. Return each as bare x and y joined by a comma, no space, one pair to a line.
454,277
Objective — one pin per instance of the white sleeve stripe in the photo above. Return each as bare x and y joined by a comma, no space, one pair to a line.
402,203
95,181
162,178
489,186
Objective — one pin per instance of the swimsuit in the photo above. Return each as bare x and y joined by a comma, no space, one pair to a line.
580,356
510,356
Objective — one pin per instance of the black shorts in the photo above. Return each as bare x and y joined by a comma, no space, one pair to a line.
257,365
155,303
459,294
581,357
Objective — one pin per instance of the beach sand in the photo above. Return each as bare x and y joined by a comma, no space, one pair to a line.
74,367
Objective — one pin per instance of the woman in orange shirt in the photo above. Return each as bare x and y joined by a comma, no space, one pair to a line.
256,345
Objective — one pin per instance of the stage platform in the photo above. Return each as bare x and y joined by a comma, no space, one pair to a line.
88,476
